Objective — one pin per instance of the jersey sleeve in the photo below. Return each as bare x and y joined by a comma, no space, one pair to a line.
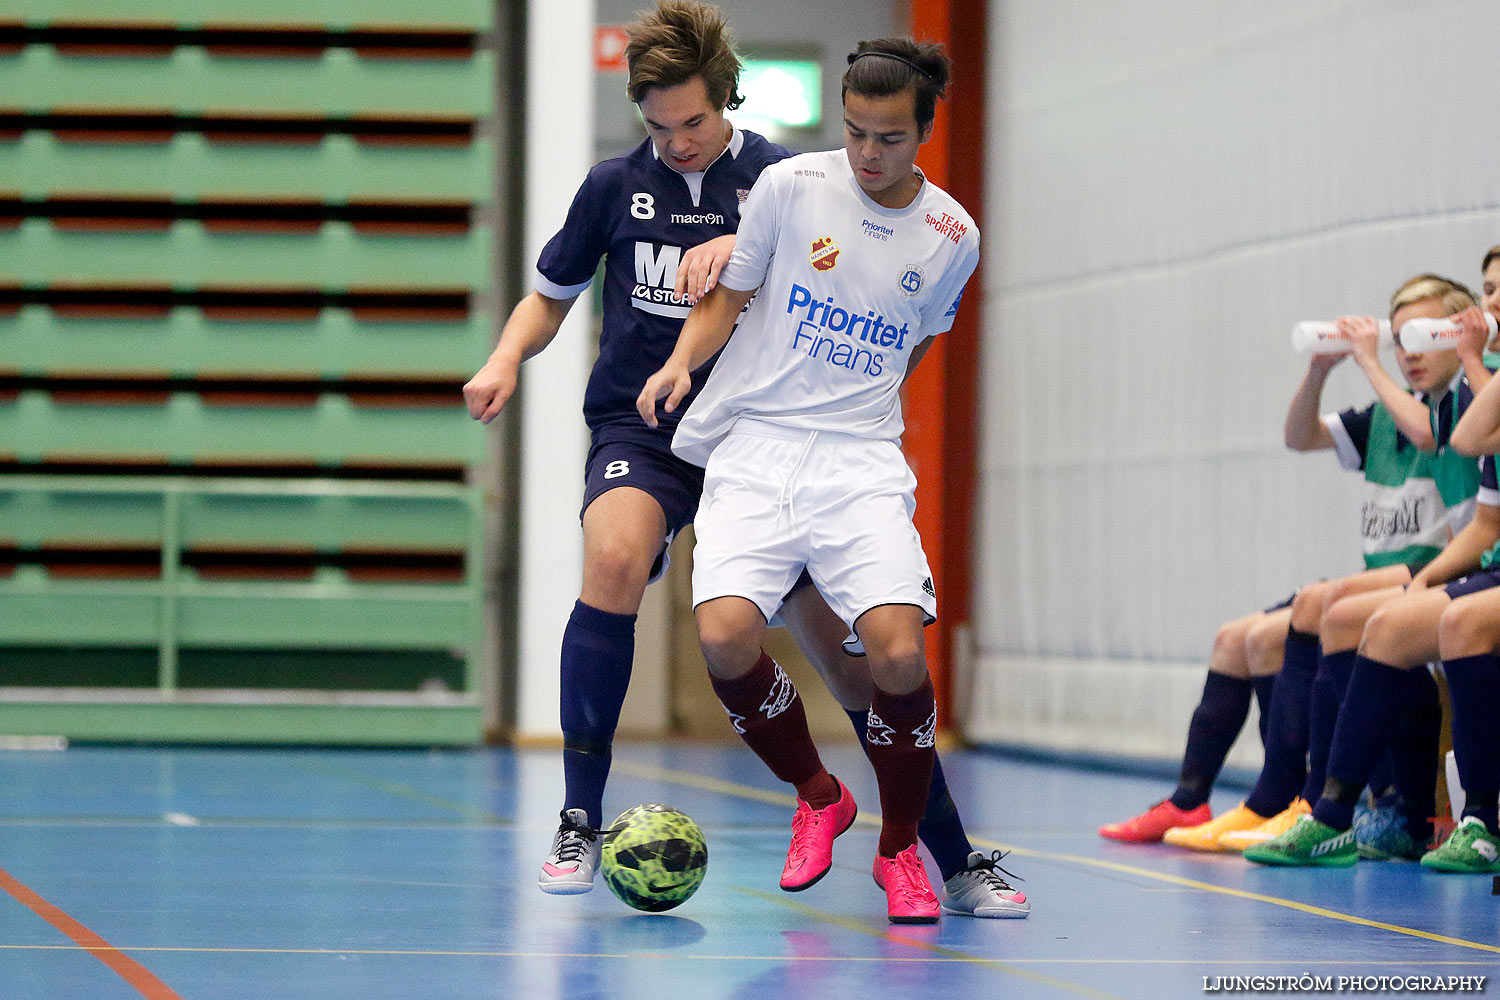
567,263
1489,487
942,309
1351,435
755,241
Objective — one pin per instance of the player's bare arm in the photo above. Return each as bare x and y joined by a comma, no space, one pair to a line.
1471,345
699,271
1478,430
1304,429
1461,555
706,330
532,324
1411,415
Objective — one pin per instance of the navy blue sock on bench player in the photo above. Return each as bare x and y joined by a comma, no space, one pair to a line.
598,649
1474,682
1217,720
940,827
1329,685
1367,720
1264,689
1285,767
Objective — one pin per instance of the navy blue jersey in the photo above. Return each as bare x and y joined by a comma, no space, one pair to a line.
640,215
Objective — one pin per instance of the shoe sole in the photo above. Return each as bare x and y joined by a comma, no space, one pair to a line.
993,913
565,888
1452,869
799,887
915,920
1320,862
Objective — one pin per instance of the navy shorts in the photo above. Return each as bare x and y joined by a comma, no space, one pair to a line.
674,484
1473,583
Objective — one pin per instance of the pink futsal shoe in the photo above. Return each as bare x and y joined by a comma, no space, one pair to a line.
1148,827
909,898
810,854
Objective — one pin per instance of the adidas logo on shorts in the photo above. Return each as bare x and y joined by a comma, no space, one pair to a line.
928,588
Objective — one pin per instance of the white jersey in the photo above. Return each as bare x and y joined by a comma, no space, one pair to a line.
848,289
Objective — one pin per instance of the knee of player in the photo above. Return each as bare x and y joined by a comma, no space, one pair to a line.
726,642
1382,628
902,657
617,568
1230,638
1309,606
1462,633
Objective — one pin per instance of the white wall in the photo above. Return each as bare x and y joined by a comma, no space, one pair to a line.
1170,185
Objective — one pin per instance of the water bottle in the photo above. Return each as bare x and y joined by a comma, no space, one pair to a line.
1316,336
1422,334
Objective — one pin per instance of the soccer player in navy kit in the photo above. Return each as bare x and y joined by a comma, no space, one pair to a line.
859,261
679,189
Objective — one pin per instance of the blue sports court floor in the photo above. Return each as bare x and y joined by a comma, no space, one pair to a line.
214,874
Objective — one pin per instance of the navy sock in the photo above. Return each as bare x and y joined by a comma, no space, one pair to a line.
1217,720
1474,682
1371,711
1285,767
1328,688
598,649
1413,756
940,827
1263,686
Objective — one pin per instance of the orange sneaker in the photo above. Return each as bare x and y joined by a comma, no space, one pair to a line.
1148,827
1205,836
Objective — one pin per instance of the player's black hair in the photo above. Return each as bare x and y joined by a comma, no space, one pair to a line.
887,66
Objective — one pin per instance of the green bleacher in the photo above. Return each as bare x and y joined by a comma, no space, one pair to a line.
239,494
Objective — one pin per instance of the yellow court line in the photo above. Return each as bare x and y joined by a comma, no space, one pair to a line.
951,954
873,819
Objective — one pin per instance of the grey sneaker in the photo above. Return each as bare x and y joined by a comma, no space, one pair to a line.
570,867
980,890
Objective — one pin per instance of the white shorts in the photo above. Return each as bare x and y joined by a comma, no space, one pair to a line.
776,500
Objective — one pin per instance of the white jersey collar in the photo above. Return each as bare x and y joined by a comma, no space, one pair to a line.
695,179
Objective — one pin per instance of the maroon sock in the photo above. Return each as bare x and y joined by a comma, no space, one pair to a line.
901,731
767,712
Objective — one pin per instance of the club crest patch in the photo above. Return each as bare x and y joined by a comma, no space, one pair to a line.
825,254
911,279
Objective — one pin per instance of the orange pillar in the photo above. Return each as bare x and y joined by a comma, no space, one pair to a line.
941,398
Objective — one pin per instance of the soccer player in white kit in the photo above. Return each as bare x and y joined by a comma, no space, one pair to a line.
859,262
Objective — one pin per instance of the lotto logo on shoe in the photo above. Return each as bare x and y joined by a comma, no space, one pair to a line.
825,254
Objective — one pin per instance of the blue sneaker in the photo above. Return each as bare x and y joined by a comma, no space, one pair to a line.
1380,834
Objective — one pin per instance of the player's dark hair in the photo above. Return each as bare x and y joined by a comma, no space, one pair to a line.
1492,254
677,41
889,66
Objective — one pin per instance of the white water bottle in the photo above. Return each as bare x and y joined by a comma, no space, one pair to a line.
1423,334
1317,336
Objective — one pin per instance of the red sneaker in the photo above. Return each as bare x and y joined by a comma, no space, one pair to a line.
1148,827
909,898
810,854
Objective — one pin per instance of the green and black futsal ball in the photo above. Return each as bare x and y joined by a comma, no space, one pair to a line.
654,857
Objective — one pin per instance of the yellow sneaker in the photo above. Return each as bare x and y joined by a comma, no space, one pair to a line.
1238,840
1205,836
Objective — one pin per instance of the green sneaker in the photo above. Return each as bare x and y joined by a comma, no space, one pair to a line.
1470,849
1308,842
